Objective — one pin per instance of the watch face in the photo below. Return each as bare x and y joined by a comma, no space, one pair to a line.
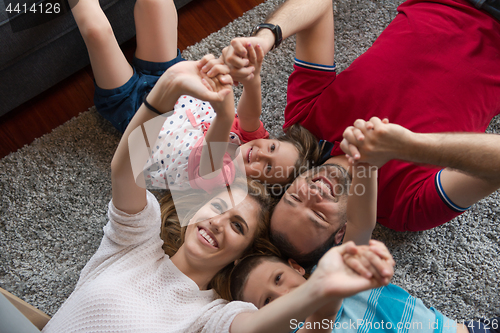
275,29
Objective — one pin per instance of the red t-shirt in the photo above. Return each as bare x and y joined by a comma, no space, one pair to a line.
435,68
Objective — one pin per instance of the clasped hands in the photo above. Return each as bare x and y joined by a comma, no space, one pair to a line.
374,142
188,78
348,269
244,57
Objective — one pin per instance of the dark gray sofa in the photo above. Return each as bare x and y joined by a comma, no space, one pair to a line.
34,59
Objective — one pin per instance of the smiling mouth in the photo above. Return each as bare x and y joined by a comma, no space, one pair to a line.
324,184
209,238
249,155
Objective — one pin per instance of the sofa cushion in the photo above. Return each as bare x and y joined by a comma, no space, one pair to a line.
34,59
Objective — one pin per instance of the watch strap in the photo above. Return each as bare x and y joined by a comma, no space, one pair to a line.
275,29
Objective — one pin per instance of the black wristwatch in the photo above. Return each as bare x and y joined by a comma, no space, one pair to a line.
275,29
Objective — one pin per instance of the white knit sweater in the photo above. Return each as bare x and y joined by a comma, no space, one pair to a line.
130,285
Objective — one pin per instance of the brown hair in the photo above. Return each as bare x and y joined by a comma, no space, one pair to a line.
173,234
309,154
239,274
306,144
306,260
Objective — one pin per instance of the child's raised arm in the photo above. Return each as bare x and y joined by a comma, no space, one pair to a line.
362,201
373,262
182,78
250,103
362,204
332,281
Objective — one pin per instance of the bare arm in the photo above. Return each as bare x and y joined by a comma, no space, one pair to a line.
362,204
277,315
312,24
471,160
313,27
373,262
250,103
127,195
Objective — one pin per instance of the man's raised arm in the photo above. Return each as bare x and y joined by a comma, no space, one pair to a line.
471,161
311,22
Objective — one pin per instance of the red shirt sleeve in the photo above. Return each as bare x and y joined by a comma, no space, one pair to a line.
245,136
409,200
305,85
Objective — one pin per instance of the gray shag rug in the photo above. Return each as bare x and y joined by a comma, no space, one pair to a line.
55,193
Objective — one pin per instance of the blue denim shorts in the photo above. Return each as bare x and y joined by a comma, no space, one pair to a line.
119,105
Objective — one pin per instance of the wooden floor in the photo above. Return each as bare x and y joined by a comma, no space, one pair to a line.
75,94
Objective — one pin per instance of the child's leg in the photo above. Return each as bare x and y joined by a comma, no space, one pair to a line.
156,30
111,68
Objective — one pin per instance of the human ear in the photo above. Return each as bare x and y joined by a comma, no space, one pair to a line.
296,266
340,234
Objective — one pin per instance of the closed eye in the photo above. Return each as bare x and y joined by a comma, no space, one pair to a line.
319,215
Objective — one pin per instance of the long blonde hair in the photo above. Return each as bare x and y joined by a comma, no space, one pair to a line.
173,234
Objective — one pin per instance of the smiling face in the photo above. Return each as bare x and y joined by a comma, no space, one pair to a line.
270,280
313,208
218,235
269,160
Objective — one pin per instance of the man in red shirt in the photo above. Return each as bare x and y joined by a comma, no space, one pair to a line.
434,70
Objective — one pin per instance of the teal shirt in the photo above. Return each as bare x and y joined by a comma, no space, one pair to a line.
386,309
